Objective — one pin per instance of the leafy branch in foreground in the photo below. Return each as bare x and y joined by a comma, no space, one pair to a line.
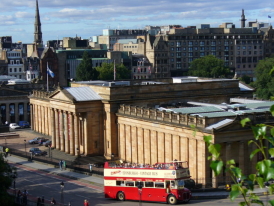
244,184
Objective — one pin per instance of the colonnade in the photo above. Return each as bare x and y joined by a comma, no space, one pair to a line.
11,112
67,129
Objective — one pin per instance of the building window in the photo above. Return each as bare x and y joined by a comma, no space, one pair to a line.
10,69
15,69
19,69
190,49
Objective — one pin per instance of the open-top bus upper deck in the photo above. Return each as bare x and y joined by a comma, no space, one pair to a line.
123,171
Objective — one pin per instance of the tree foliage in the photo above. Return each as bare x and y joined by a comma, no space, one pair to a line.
208,66
264,169
5,181
246,79
264,83
85,71
106,72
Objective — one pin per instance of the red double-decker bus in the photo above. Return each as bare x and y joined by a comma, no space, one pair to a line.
162,182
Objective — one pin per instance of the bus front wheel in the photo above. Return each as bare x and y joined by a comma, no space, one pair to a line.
172,200
121,196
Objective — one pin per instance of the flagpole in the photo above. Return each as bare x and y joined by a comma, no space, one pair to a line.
47,78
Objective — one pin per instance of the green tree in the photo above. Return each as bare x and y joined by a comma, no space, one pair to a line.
85,71
246,79
208,66
5,182
264,83
264,169
106,72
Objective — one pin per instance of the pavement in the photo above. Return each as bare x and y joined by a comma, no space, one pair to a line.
96,180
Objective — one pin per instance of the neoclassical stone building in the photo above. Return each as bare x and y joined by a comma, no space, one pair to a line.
120,118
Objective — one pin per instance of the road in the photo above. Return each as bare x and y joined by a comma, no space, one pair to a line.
39,183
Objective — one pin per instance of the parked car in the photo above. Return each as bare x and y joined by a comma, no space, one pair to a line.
14,126
23,124
42,140
37,152
47,143
35,140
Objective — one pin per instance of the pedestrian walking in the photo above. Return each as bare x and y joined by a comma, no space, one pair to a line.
42,201
53,202
25,197
61,165
90,167
64,165
38,201
86,203
18,197
7,150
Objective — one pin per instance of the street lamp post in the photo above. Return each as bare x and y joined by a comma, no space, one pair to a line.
14,176
25,147
62,185
78,155
6,141
140,192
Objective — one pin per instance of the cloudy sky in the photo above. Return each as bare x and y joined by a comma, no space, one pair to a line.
87,18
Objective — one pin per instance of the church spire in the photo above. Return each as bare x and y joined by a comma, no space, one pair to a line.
37,28
243,19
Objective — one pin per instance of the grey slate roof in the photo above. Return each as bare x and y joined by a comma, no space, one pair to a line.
216,114
260,105
191,110
219,124
252,111
244,87
83,93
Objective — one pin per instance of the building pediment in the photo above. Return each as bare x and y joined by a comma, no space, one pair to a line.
61,95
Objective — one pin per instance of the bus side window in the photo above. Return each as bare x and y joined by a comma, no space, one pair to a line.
149,184
172,184
130,184
137,183
159,184
120,183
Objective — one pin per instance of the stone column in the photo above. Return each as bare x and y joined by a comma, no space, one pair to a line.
53,124
71,134
33,119
242,156
66,132
25,110
62,142
76,134
227,157
8,113
85,136
16,113
38,109
32,114
57,142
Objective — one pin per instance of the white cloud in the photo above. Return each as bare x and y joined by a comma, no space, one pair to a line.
61,15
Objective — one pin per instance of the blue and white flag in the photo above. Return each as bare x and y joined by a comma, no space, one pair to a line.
49,71
269,16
